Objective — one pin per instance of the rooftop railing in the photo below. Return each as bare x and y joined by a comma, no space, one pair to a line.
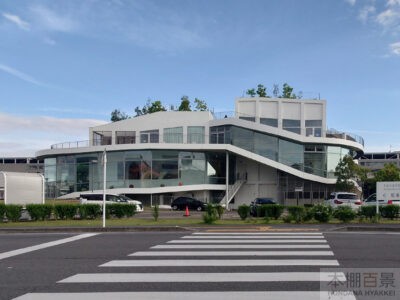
67,145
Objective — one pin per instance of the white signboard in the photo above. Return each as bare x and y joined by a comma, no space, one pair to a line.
22,188
388,190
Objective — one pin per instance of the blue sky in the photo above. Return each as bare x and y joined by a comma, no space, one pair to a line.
65,65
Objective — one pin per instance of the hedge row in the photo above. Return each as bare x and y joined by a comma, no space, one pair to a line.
319,212
66,211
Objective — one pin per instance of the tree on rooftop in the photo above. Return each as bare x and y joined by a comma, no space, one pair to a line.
117,115
287,91
251,92
201,105
261,91
185,104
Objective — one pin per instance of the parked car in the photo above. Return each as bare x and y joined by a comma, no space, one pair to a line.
97,198
181,203
371,200
258,202
343,198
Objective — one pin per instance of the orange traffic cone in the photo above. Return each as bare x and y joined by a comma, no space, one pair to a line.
187,212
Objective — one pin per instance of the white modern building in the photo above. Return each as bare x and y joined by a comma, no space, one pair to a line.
277,148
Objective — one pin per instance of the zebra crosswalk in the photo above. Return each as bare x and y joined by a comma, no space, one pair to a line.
235,265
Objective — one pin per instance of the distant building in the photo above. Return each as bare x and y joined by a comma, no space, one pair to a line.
267,147
21,164
375,161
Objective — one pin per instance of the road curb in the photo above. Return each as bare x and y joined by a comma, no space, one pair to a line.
94,229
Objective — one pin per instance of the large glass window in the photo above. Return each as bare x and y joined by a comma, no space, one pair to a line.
102,138
243,138
149,136
314,128
291,125
195,134
291,154
315,159
334,155
220,135
165,165
173,135
269,122
266,145
192,167
125,137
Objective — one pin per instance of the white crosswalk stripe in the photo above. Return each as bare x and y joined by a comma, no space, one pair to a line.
306,295
244,246
301,253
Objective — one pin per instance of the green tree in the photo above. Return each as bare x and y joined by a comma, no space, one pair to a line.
155,106
389,173
287,91
261,91
117,115
185,104
251,92
200,105
344,172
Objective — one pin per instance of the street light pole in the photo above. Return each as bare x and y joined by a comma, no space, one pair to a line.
104,186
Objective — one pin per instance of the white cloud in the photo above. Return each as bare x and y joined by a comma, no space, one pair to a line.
17,21
49,20
19,74
365,13
395,48
49,41
351,2
388,18
393,2
24,135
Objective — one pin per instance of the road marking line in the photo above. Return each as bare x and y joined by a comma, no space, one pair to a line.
252,237
45,245
187,241
220,262
232,295
264,229
232,253
258,233
247,246
206,277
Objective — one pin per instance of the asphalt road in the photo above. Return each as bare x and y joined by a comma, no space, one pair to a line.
41,271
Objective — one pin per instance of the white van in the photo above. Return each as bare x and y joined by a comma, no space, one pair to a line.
97,198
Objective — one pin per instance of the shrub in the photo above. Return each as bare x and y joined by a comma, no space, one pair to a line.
156,212
390,211
322,213
120,210
344,213
273,211
211,214
89,211
65,211
2,211
308,213
13,212
296,213
39,211
368,211
220,210
244,211
287,219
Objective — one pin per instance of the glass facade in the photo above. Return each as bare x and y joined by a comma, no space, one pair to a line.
315,159
134,169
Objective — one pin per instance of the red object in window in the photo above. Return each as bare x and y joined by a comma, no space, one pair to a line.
180,183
